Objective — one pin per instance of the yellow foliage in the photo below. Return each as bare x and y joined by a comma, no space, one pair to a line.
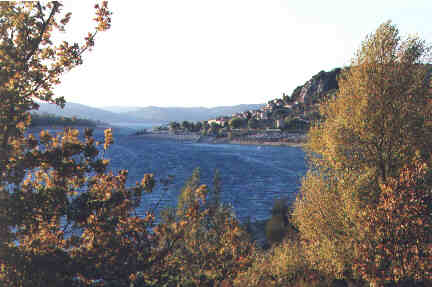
377,124
283,265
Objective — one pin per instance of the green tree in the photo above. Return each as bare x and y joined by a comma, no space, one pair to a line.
236,123
205,128
217,188
295,124
174,126
253,123
52,120
214,128
379,121
198,126
279,113
279,226
186,126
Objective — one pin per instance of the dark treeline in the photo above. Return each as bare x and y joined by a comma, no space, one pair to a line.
53,120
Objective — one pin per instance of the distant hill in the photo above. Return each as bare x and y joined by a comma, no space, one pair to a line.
142,115
120,109
86,112
159,114
314,90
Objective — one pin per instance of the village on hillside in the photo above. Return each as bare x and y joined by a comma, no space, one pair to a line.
281,119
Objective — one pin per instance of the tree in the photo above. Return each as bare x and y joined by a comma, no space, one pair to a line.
280,113
295,124
174,126
282,265
186,125
248,115
64,220
213,248
276,227
287,98
253,123
379,121
53,120
217,189
396,233
198,126
236,123
214,128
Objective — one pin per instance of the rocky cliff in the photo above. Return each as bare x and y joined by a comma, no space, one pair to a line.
317,87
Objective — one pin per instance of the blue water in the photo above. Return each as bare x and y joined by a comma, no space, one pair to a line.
252,176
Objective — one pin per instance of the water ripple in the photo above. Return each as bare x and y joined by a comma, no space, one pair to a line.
252,177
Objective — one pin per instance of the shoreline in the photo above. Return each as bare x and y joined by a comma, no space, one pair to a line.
294,140
39,128
260,139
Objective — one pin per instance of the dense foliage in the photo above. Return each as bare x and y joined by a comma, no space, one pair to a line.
213,248
370,138
64,221
362,217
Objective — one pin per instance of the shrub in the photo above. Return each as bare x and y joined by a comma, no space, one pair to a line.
213,247
279,226
282,265
394,246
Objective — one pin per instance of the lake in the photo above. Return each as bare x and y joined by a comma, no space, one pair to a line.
252,177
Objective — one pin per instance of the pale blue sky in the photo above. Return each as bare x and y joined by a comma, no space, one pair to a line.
224,52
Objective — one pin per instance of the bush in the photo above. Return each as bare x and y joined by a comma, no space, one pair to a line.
213,247
278,226
396,234
282,265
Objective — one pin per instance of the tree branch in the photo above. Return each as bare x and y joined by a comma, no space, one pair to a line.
43,29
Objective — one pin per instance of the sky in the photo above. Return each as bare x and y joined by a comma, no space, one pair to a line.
191,53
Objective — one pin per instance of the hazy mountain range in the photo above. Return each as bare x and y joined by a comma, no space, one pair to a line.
117,114
158,114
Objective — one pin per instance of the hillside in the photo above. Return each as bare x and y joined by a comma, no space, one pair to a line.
301,105
150,114
82,111
120,109
160,114
301,100
316,88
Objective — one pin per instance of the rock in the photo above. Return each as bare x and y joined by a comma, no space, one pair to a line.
317,87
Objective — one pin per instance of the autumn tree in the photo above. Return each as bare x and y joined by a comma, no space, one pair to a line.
64,220
282,265
393,245
214,246
378,122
